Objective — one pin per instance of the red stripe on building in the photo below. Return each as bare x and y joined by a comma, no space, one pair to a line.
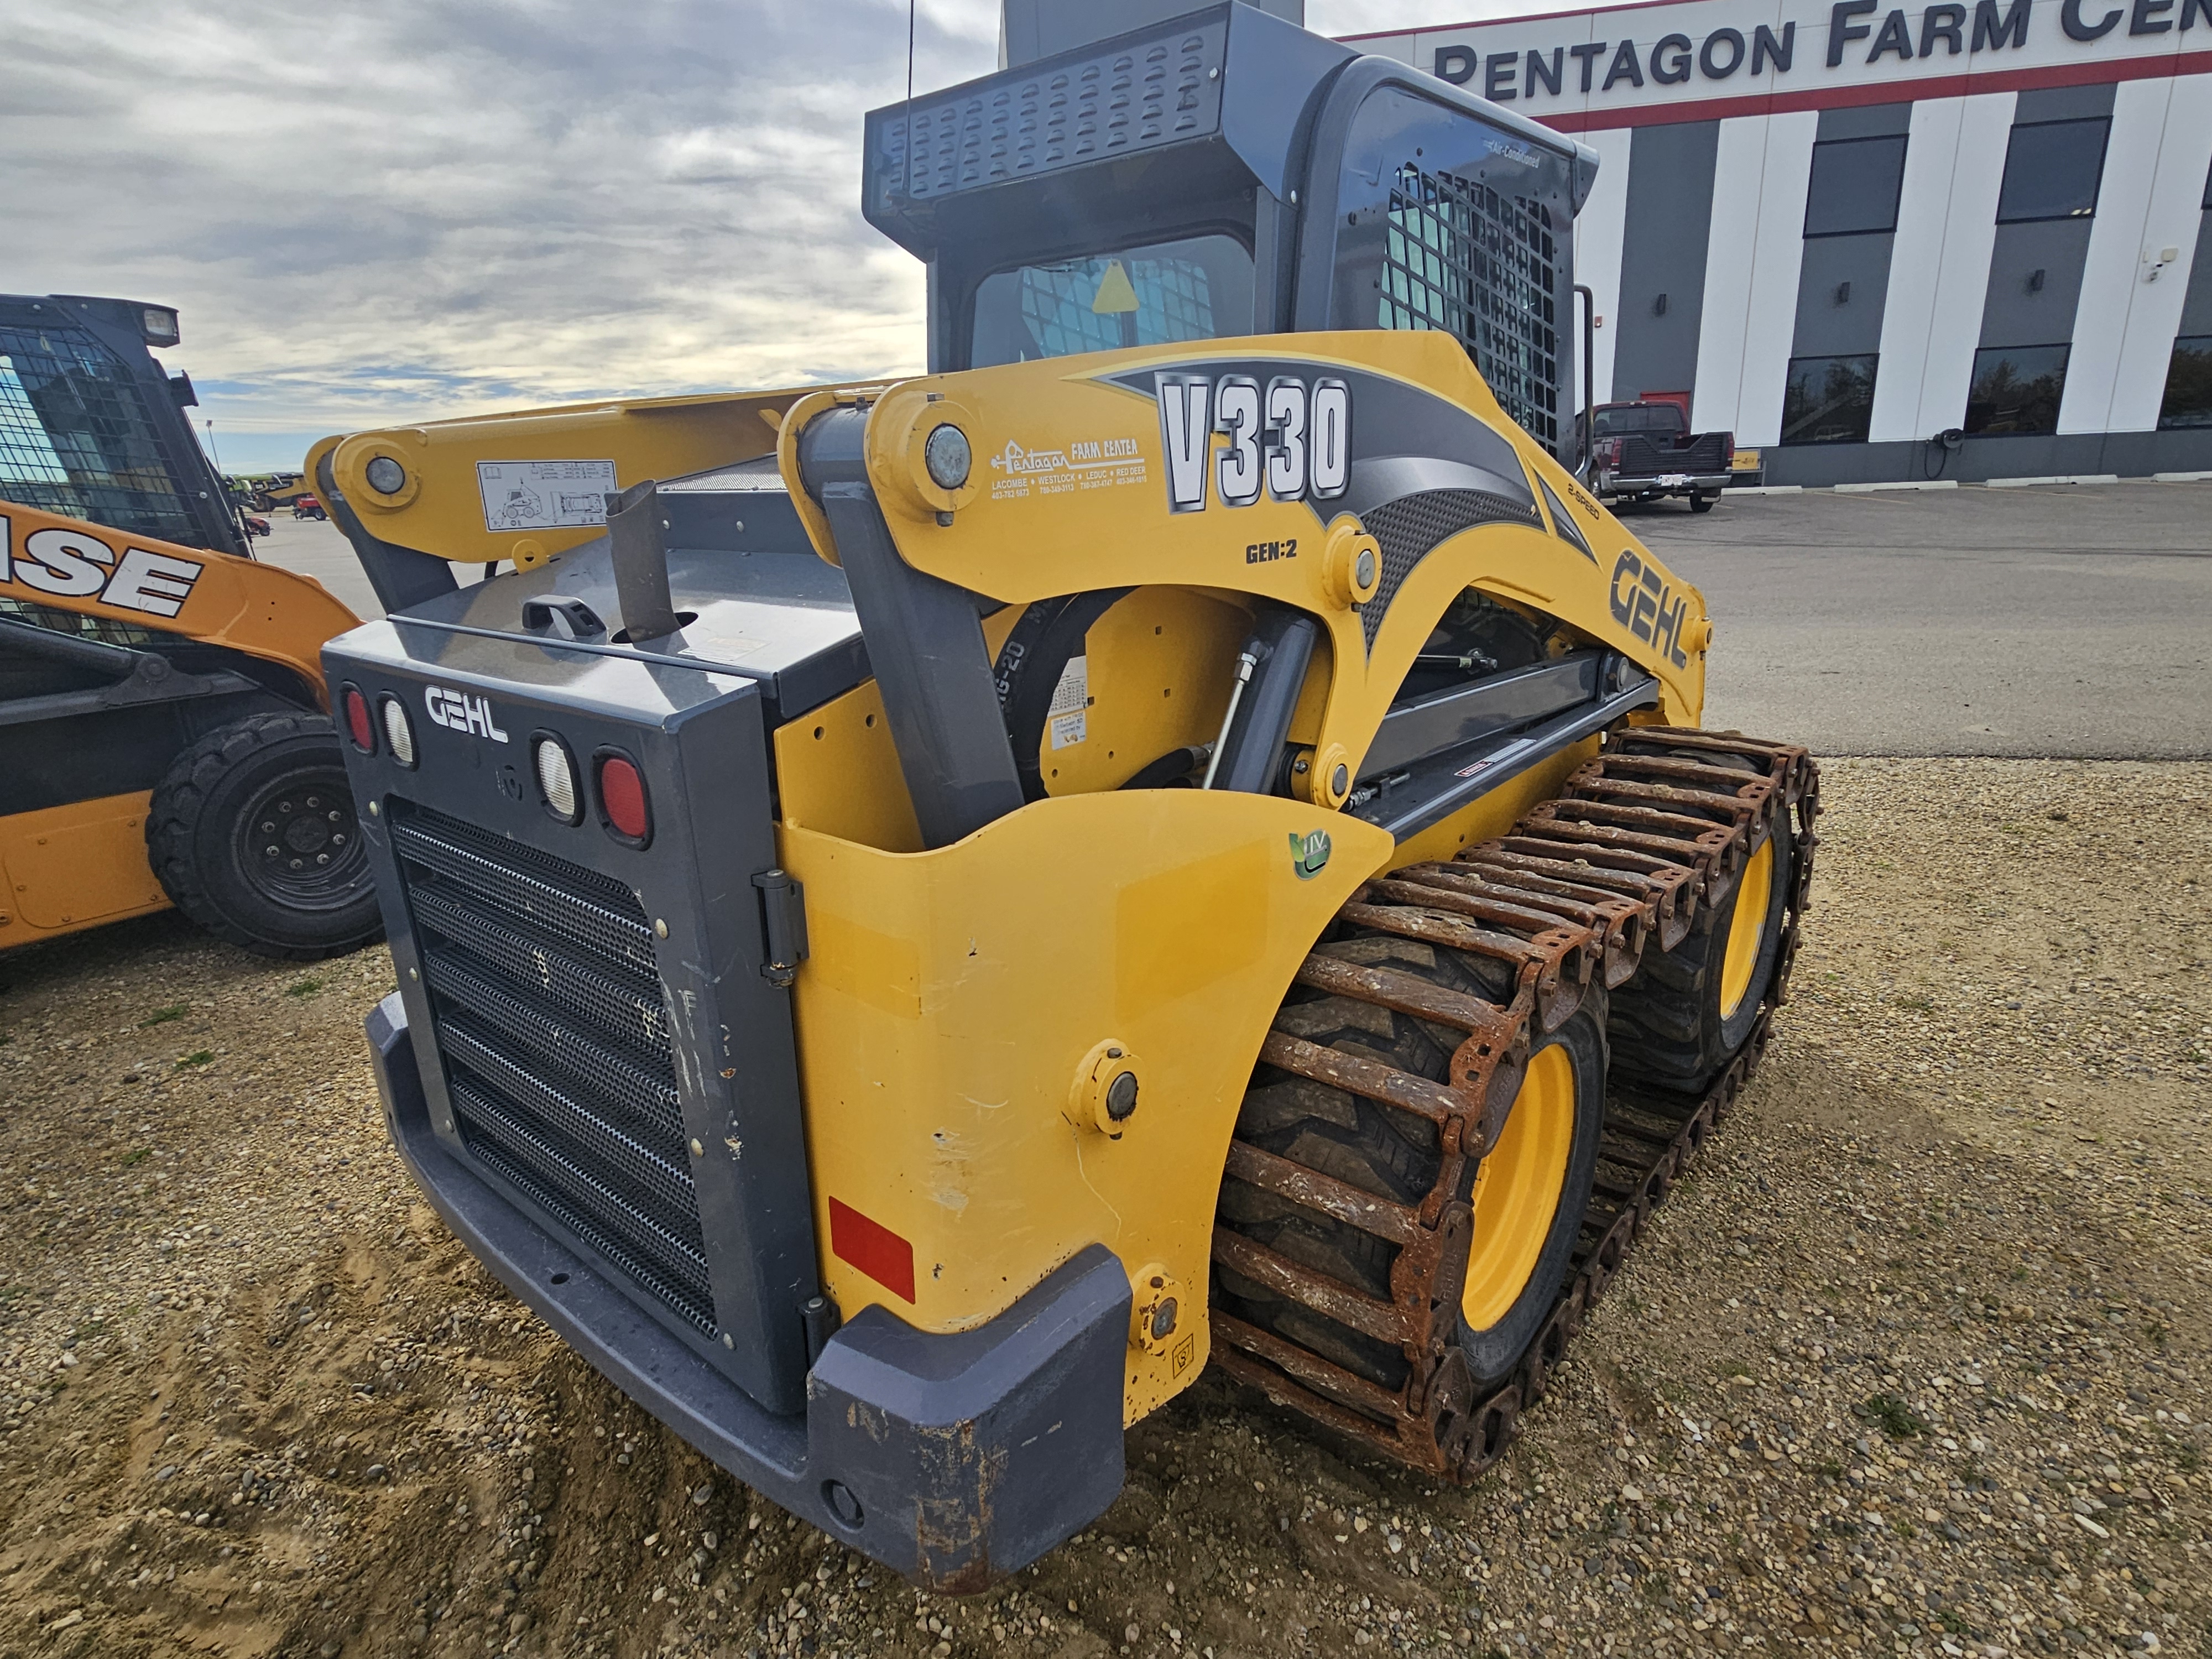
1517,17
1889,91
872,1248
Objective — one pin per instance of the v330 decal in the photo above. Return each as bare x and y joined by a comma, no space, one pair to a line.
1291,439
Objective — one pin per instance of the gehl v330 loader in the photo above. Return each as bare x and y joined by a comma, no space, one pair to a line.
1178,835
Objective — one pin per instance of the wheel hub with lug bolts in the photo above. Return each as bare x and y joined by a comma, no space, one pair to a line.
305,834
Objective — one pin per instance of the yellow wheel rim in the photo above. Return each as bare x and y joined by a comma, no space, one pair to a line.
1748,931
1516,1191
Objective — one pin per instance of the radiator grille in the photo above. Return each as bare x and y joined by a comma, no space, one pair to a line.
547,1009
1462,258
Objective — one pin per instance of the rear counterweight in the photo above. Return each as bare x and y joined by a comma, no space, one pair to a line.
605,1050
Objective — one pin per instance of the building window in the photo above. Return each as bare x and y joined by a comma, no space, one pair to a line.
1854,187
1828,400
2051,170
2188,386
2015,390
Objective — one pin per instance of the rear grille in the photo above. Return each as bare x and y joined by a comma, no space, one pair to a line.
547,1009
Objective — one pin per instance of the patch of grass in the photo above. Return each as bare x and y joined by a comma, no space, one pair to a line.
136,1155
163,1016
1918,1005
1890,1415
197,1057
303,987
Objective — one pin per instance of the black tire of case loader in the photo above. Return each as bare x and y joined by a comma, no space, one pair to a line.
1666,1024
1395,1157
251,834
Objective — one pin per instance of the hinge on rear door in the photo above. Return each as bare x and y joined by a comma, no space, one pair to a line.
783,899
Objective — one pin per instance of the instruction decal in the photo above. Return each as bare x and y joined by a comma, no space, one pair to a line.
1070,699
545,495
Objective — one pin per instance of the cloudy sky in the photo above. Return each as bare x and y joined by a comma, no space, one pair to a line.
376,210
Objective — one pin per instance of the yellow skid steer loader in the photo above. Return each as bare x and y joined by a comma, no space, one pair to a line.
926,913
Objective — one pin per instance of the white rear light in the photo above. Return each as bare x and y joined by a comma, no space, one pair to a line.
557,778
398,733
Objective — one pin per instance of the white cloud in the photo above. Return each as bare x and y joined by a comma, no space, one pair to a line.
375,210
371,212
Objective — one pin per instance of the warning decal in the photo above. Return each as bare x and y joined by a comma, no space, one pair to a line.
545,495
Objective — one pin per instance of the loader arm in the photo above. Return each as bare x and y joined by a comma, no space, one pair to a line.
1077,485
107,576
519,488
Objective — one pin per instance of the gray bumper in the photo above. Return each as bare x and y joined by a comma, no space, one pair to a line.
953,1459
1704,484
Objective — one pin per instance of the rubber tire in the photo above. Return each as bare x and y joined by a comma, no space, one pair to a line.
1702,503
1666,1024
1393,1156
192,839
1047,637
1493,1355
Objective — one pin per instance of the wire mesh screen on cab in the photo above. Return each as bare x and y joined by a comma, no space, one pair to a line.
76,438
1464,258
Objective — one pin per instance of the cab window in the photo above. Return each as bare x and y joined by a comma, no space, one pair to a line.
1196,287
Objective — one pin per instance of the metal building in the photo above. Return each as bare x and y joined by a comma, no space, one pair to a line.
1964,240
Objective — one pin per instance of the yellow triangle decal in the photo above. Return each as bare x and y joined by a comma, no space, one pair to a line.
1116,292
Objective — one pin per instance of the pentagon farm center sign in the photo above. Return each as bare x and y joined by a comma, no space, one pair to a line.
1634,64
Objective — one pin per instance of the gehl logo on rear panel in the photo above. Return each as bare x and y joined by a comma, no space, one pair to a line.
1290,440
462,711
76,565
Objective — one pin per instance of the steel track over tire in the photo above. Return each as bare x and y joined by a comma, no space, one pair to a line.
1394,1156
1450,999
1685,1015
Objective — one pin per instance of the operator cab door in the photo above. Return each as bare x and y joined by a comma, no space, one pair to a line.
1420,213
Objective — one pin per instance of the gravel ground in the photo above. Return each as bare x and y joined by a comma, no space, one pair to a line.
1912,1362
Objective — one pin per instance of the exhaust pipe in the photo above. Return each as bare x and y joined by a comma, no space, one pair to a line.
636,531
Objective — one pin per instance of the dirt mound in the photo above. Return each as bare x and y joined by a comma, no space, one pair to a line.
1913,1361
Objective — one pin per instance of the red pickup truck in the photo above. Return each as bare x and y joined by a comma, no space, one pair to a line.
1641,451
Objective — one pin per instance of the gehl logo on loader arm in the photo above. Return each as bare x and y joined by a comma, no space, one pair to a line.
1647,607
1290,439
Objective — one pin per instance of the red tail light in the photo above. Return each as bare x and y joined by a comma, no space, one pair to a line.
622,799
358,726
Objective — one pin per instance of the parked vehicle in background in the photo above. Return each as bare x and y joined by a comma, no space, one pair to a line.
165,733
308,507
265,492
1645,451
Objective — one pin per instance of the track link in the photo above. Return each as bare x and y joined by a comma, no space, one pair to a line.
1646,843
